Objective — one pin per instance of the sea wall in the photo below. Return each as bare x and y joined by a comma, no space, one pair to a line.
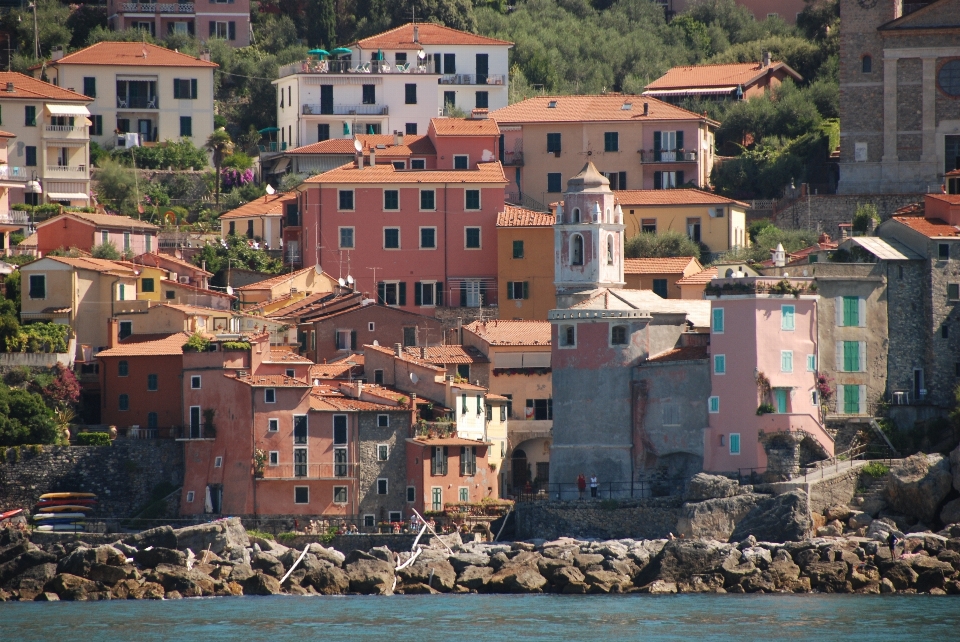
123,475
651,518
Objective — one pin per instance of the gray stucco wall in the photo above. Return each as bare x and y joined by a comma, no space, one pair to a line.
393,469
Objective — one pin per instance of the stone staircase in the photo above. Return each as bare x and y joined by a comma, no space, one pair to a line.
870,500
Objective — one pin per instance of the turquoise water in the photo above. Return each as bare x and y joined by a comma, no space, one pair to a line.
495,618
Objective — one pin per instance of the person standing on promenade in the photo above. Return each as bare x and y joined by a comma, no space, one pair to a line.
581,484
593,485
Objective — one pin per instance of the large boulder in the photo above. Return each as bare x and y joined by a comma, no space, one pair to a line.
225,537
267,563
328,580
156,555
682,559
331,555
72,587
950,514
955,466
187,582
715,518
261,584
475,577
784,518
371,576
517,579
703,486
918,484
32,557
437,574
463,560
160,536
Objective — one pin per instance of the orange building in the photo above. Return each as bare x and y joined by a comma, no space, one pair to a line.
525,264
659,274
692,287
448,470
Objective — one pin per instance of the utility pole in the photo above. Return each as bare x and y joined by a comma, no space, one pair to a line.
36,37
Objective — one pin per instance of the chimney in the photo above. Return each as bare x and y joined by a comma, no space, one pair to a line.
398,138
113,333
10,88
413,400
373,157
416,33
423,352
397,349
646,109
479,114
766,59
360,160
56,53
359,389
205,56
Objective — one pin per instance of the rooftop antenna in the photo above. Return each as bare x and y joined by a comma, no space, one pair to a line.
375,277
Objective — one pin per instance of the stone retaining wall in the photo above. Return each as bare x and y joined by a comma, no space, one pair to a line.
829,210
123,475
652,518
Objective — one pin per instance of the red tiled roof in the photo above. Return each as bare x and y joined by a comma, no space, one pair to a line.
152,345
154,259
690,353
428,34
95,265
405,356
929,227
336,402
514,216
585,109
29,88
722,75
105,220
682,196
138,54
273,281
449,354
269,205
285,356
465,127
512,333
169,283
388,174
411,145
337,370
5,134
666,265
953,199
913,209
270,381
700,278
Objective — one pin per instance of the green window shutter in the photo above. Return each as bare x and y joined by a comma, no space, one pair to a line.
780,395
787,317
418,293
851,400
176,88
679,140
402,298
851,311
851,356
680,180
439,297
381,293
526,289
658,180
509,290
718,320
193,88
657,146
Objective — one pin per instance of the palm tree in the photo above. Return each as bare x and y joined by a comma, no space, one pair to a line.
220,145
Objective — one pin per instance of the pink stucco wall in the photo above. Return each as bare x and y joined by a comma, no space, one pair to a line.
752,341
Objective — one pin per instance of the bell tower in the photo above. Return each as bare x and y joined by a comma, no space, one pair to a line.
588,238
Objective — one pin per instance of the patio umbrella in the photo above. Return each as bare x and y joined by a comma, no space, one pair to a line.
318,52
268,130
339,51
379,54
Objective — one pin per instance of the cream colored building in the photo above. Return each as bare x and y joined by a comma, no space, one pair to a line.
49,160
80,292
139,88
261,219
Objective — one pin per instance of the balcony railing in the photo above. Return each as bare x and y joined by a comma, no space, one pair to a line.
155,7
667,156
272,147
67,171
65,131
513,159
196,431
346,110
14,217
137,102
14,173
472,79
310,471
350,67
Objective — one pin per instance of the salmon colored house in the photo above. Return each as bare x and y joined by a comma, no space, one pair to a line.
447,471
659,274
525,263
82,231
763,368
414,239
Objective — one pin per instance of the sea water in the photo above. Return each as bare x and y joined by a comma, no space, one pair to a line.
494,618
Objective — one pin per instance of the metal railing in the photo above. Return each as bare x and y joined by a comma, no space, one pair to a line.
14,217
668,156
472,79
351,67
196,431
154,7
638,489
12,172
138,102
273,147
346,110
513,159
525,200
343,471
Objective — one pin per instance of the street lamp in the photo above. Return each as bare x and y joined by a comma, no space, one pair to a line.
33,187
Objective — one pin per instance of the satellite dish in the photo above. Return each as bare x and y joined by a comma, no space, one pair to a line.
421,54
357,145
341,282
318,270
375,342
414,378
229,290
350,279
270,190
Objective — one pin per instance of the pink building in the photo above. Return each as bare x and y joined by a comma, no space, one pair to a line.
764,410
225,19
415,239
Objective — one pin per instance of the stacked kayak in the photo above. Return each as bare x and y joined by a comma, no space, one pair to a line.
63,511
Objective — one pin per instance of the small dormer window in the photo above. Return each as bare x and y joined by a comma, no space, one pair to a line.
626,106
552,104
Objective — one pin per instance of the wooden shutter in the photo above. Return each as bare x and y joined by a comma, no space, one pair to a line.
353,339
463,294
526,289
402,294
657,146
418,293
838,304
862,311
839,356
176,88
863,356
193,88
679,140
232,30
679,179
213,28
509,290
622,180
658,179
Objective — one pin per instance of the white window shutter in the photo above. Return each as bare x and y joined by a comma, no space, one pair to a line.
838,308
862,311
863,400
839,356
839,399
863,355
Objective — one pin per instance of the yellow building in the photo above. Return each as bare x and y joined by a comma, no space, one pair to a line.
148,282
718,222
310,279
659,274
525,264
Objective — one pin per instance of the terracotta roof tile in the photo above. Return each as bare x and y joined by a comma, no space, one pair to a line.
512,333
514,216
105,220
5,134
270,381
583,109
913,209
95,265
411,145
690,353
337,402
269,205
405,356
449,354
286,356
337,370
273,281
721,75
154,259
929,227
953,199
29,88
428,34
666,265
131,54
700,278
682,196
388,174
154,345
465,127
